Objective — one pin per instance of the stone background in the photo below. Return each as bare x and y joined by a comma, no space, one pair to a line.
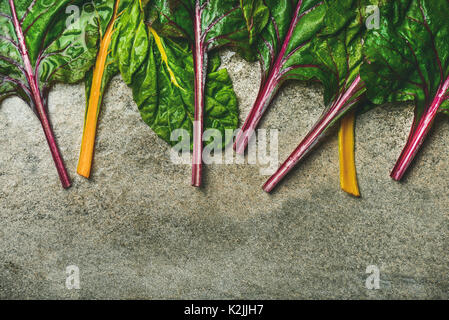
138,230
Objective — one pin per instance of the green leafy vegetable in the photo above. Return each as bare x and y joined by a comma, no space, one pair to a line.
121,47
206,25
310,40
41,44
409,61
168,71
159,71
284,50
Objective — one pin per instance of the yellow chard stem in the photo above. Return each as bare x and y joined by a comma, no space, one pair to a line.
164,56
348,174
90,126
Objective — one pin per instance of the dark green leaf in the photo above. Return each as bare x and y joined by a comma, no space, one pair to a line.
409,61
167,105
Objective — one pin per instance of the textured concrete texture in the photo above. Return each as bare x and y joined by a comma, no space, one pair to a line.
138,230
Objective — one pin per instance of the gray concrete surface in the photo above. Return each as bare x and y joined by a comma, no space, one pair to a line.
138,230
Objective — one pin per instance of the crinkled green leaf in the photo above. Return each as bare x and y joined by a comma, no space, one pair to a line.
256,15
409,54
325,43
166,107
284,51
408,60
222,21
129,37
321,41
309,40
58,43
304,19
42,42
338,48
207,25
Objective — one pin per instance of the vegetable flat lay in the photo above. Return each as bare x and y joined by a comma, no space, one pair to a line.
224,149
166,52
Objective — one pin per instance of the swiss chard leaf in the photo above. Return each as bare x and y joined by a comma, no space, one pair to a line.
206,25
43,42
409,61
339,47
159,71
122,46
168,71
310,40
284,50
333,56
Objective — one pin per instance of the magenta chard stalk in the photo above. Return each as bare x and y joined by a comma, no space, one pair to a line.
408,61
38,103
281,65
343,103
200,64
419,133
38,47
206,25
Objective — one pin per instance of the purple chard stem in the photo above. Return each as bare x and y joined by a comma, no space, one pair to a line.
267,90
418,135
41,110
337,108
264,98
200,62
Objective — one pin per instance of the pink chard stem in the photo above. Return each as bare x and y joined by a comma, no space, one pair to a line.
38,101
266,94
200,77
418,135
317,132
267,90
